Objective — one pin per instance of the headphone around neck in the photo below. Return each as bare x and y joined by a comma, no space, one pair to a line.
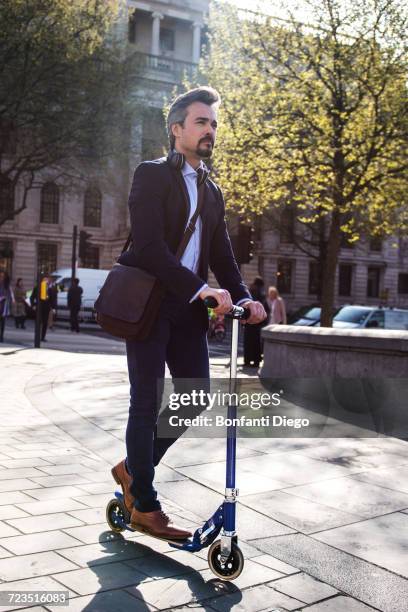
177,160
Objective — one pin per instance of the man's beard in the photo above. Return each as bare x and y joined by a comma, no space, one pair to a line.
204,152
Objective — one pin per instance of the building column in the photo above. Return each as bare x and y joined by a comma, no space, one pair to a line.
359,285
196,42
155,48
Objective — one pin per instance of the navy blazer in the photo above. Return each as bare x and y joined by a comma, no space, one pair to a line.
158,217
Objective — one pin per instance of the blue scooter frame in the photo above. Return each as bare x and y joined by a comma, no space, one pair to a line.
224,556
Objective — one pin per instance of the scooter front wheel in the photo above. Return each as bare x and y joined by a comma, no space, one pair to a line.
116,515
229,570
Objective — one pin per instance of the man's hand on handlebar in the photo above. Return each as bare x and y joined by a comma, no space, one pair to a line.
257,311
222,296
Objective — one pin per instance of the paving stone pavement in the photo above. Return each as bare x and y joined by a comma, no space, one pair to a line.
323,524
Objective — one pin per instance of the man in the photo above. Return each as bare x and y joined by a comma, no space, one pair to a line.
44,304
74,300
159,217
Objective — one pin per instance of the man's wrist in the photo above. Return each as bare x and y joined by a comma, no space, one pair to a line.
244,301
197,294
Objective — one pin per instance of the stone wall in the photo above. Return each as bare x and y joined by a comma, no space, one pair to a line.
322,351
351,382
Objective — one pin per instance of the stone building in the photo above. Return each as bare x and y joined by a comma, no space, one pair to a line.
372,272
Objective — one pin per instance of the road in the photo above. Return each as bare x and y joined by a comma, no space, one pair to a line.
91,339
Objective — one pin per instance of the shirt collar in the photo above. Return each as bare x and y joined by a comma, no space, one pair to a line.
187,169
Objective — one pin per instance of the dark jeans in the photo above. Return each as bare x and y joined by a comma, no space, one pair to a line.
178,339
73,318
252,344
45,313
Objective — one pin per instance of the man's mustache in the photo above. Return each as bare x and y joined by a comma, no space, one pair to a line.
207,139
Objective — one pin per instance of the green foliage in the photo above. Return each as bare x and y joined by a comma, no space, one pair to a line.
61,83
316,116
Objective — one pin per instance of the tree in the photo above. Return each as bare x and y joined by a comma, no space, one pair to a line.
62,80
316,115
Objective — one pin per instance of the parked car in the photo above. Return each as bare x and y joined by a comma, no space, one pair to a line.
308,318
307,315
371,317
91,282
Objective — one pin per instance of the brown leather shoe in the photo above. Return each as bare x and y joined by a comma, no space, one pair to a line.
157,524
124,479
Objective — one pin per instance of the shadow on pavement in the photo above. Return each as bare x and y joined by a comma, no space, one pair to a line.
150,568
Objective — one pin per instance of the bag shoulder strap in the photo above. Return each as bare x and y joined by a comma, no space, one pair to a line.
127,243
189,231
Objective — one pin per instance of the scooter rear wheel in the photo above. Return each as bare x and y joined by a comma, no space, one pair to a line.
116,515
233,566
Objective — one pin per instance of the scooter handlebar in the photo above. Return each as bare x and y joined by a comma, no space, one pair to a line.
237,312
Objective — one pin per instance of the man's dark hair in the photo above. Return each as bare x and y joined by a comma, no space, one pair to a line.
178,110
258,281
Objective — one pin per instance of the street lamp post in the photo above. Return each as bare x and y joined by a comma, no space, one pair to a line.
74,249
37,334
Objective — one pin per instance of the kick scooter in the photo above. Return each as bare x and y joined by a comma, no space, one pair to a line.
225,558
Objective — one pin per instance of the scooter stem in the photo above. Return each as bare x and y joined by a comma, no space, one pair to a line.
234,356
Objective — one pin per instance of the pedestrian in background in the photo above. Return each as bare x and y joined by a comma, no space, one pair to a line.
276,306
6,301
252,333
19,305
74,304
53,294
42,302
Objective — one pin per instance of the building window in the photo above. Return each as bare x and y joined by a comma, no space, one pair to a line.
403,282
257,228
49,203
154,137
373,281
6,197
345,277
6,256
314,278
403,247
284,276
47,257
344,243
287,225
375,244
91,259
151,149
132,28
166,39
8,137
92,207
204,39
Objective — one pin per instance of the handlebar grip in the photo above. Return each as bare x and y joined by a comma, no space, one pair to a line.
237,312
210,302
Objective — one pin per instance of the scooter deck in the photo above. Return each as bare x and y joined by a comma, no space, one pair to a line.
174,542
202,537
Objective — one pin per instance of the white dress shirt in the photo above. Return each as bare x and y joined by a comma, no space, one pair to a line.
191,256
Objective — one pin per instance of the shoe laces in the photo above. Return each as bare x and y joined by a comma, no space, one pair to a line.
165,516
